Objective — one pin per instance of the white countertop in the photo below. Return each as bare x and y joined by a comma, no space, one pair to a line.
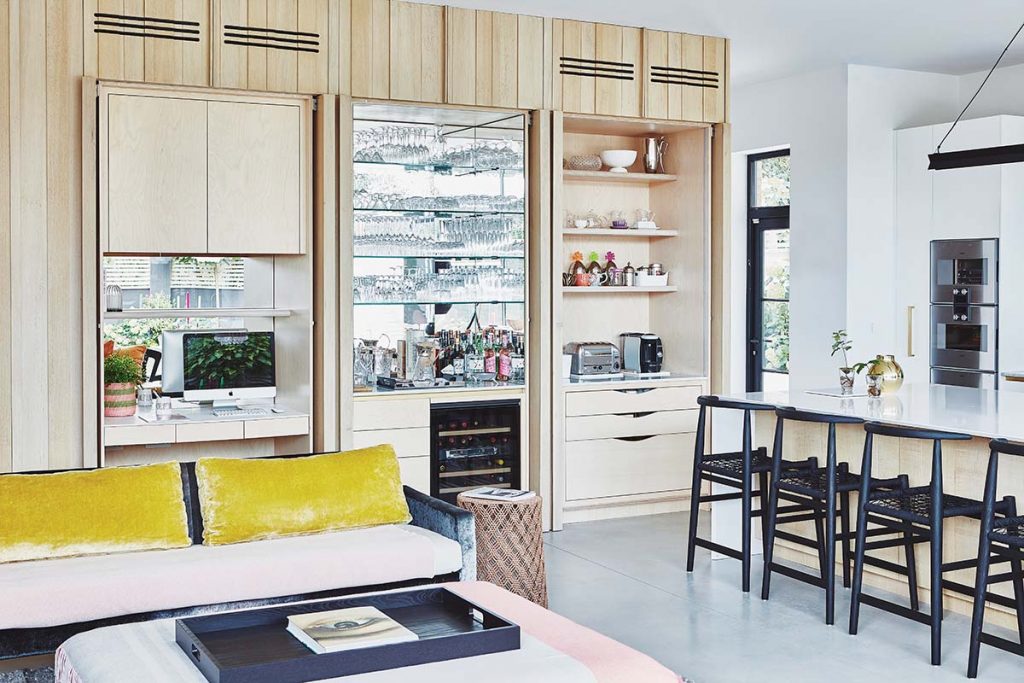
979,412
190,415
482,387
629,382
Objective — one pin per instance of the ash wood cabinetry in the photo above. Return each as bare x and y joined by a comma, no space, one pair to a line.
684,77
494,59
597,68
195,172
275,45
397,50
152,41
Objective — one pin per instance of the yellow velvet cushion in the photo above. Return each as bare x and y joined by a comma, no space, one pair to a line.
249,500
92,512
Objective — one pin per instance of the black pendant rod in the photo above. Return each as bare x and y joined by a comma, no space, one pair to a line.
1001,55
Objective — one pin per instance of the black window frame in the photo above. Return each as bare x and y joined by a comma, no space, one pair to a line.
760,219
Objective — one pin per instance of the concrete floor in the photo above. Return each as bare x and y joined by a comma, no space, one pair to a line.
627,579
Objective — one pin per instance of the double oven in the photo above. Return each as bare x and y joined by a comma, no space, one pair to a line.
965,313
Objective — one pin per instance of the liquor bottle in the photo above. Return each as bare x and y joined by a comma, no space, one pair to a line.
458,357
518,360
474,357
504,360
490,359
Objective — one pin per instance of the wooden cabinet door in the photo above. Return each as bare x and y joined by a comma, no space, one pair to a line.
494,59
416,60
153,175
256,156
715,69
684,77
273,45
155,41
597,68
371,51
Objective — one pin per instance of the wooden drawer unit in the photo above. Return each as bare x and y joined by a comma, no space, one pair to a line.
586,427
623,401
416,473
407,442
284,426
494,59
210,431
388,413
597,68
603,468
141,435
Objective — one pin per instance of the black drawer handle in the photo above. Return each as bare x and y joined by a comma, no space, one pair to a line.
635,438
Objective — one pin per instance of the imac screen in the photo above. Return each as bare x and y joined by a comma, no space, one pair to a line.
228,360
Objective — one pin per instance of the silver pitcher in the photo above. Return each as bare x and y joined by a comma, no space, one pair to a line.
654,154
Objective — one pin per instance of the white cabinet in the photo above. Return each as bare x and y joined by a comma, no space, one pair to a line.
966,201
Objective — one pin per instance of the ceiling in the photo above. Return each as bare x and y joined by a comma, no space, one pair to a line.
777,38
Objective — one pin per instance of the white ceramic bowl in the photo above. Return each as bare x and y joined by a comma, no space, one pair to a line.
618,159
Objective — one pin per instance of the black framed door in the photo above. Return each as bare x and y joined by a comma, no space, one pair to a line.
768,271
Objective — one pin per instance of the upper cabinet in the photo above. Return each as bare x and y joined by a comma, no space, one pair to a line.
197,172
494,59
273,45
684,77
597,68
397,50
153,41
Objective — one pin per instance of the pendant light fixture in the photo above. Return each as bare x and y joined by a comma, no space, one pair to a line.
988,156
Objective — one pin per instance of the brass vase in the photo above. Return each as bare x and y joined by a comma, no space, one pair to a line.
889,371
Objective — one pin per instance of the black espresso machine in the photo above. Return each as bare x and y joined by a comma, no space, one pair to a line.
641,352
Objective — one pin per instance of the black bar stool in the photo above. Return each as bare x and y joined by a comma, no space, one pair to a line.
919,511
735,470
826,487
1001,540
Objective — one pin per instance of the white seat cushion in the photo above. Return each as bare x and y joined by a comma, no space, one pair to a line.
69,590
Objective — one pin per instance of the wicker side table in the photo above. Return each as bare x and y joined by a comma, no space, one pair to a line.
509,545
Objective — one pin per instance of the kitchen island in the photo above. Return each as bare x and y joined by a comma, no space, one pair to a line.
982,413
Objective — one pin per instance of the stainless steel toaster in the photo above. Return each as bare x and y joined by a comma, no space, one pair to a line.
593,358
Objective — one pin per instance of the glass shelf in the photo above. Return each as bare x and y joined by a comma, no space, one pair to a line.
440,168
519,302
441,212
445,257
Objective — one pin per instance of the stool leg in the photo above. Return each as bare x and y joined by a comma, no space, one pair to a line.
862,529
747,494
773,508
762,482
830,528
936,545
695,497
981,577
844,514
819,534
1018,575
908,550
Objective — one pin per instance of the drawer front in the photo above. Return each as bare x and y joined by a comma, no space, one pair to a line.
416,473
407,442
613,401
586,427
601,468
138,435
388,413
210,431
283,426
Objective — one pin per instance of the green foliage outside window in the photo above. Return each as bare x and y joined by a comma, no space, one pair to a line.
209,364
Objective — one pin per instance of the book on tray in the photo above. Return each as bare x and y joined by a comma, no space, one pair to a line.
488,493
347,629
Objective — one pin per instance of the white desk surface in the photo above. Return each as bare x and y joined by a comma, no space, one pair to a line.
197,415
979,412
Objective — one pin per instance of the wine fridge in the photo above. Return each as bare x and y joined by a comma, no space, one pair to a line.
474,444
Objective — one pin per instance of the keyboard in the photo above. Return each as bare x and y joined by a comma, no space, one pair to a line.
238,412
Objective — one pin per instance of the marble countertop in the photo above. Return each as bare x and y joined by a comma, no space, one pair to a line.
1015,376
979,412
629,382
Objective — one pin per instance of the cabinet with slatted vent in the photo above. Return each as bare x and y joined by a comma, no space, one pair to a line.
684,77
597,69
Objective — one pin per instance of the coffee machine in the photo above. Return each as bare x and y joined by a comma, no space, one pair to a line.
641,352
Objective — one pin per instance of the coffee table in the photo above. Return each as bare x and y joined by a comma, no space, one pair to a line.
554,649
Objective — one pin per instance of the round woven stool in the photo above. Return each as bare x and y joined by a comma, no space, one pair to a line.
509,545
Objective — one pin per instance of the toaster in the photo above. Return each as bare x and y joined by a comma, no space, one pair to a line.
593,358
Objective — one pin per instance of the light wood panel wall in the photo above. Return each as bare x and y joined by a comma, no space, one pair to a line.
6,299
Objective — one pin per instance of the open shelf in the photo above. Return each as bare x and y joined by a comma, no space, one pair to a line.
156,313
444,257
449,302
440,168
441,212
609,177
620,290
618,232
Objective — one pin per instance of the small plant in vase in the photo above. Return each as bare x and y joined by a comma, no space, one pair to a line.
594,266
121,374
609,265
841,342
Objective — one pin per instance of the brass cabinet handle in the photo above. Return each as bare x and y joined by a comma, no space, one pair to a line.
910,331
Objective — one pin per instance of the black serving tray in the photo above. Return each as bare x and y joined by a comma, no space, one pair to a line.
253,646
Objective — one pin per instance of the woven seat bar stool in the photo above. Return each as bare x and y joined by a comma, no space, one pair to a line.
921,511
1000,540
827,488
735,470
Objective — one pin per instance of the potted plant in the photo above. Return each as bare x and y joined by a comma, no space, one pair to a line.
841,342
121,374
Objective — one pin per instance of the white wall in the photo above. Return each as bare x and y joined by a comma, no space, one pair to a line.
808,114
1003,94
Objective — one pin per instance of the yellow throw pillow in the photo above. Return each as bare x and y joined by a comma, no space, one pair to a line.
92,512
249,500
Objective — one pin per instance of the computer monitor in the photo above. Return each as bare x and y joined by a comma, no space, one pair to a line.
224,366
172,362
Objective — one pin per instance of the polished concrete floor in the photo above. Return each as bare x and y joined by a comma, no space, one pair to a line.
627,579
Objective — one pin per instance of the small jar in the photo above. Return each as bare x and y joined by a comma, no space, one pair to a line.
629,275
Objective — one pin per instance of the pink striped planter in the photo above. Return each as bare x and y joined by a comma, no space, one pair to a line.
119,400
